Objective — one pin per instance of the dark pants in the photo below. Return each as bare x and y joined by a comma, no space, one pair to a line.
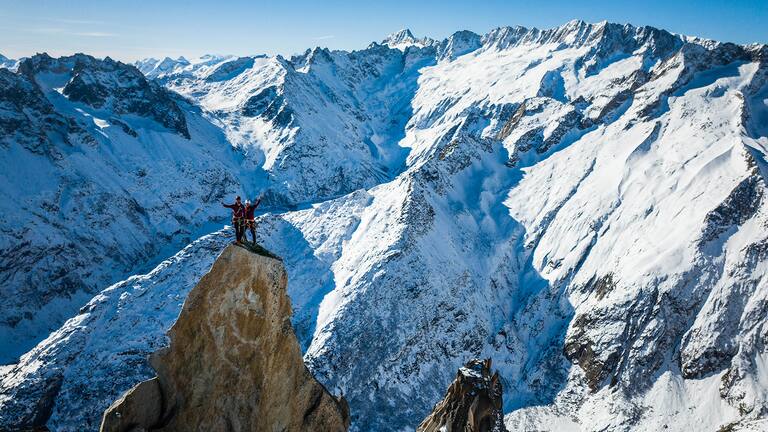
239,225
250,224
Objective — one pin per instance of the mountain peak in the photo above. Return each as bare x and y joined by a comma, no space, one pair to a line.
5,62
402,35
403,39
575,23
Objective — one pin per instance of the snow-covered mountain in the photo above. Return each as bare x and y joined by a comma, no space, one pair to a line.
404,38
154,68
7,63
103,172
321,124
585,205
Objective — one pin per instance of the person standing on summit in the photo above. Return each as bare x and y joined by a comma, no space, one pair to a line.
238,218
250,221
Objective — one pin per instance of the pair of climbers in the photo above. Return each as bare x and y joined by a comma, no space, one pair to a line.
243,218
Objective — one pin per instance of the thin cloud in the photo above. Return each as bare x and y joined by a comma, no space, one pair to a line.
326,37
73,21
45,30
80,23
94,34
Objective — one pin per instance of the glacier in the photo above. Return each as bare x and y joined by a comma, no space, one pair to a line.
583,204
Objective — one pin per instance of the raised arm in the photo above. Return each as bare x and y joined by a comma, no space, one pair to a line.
229,206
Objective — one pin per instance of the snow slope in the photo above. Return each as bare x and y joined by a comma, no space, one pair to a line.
102,173
583,204
114,331
322,124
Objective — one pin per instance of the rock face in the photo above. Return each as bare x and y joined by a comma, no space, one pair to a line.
234,362
473,402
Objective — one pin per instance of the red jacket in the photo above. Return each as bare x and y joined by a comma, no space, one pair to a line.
249,209
238,210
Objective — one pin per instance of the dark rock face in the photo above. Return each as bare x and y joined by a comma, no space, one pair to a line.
230,69
511,123
28,118
540,138
112,85
270,105
579,349
741,204
713,359
457,44
33,416
473,402
125,90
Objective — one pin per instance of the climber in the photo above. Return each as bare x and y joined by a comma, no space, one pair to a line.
238,215
250,222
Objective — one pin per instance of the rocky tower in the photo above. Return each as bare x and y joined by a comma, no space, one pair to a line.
473,402
233,362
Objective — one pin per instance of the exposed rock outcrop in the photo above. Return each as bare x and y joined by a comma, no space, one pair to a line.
473,402
233,362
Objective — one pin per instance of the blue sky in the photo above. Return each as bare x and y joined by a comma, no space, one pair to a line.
128,30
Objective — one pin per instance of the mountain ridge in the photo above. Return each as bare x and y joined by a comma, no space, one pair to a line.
573,25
